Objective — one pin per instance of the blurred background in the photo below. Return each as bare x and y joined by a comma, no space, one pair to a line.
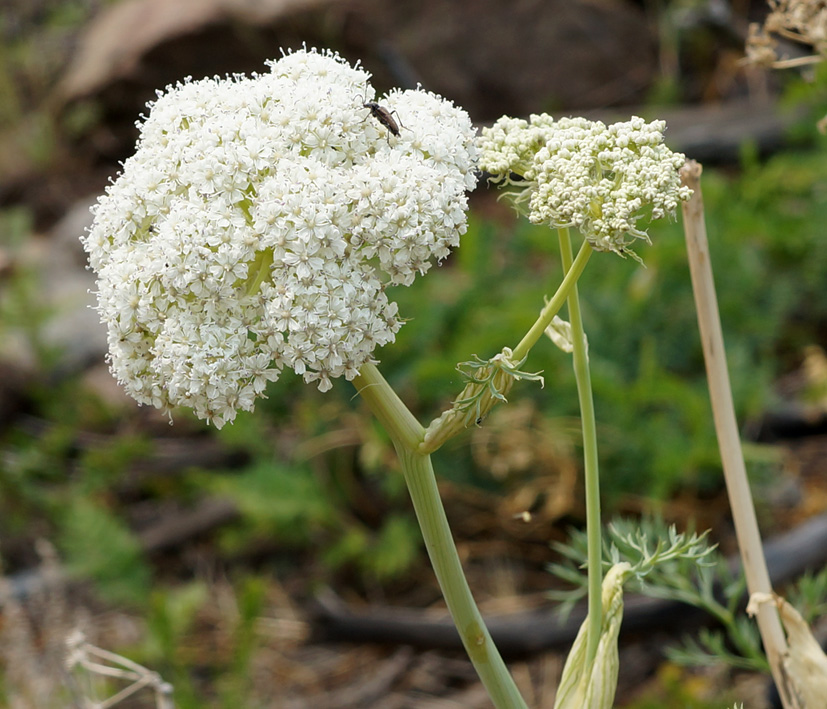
277,562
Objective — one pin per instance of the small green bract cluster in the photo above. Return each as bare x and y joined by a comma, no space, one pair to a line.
603,180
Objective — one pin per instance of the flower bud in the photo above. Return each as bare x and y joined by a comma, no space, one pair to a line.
487,384
593,685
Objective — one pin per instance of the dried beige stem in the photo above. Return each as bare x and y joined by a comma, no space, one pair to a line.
726,427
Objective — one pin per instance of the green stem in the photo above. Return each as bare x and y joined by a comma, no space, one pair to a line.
386,405
590,466
553,306
485,657
407,434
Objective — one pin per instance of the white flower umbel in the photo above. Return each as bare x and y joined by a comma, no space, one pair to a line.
603,180
259,223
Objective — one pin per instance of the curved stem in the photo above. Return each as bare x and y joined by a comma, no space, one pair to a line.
386,405
553,306
590,465
419,475
407,434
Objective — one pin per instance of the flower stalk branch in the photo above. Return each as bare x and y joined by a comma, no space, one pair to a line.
400,424
553,306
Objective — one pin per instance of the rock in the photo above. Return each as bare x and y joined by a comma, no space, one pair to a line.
73,328
120,41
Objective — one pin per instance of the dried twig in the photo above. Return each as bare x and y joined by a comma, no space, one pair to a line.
726,427
97,661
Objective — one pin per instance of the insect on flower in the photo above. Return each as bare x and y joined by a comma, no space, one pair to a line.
384,116
270,285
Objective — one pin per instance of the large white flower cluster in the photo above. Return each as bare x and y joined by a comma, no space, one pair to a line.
259,223
603,180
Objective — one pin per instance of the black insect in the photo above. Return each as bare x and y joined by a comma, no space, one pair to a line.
384,116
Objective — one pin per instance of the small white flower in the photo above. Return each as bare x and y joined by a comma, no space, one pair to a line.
259,223
603,180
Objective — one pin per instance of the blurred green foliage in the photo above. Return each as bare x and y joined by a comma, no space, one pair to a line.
676,687
318,479
97,545
344,505
656,436
36,38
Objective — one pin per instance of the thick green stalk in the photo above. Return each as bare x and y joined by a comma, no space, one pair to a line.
590,466
386,405
553,306
407,434
419,475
